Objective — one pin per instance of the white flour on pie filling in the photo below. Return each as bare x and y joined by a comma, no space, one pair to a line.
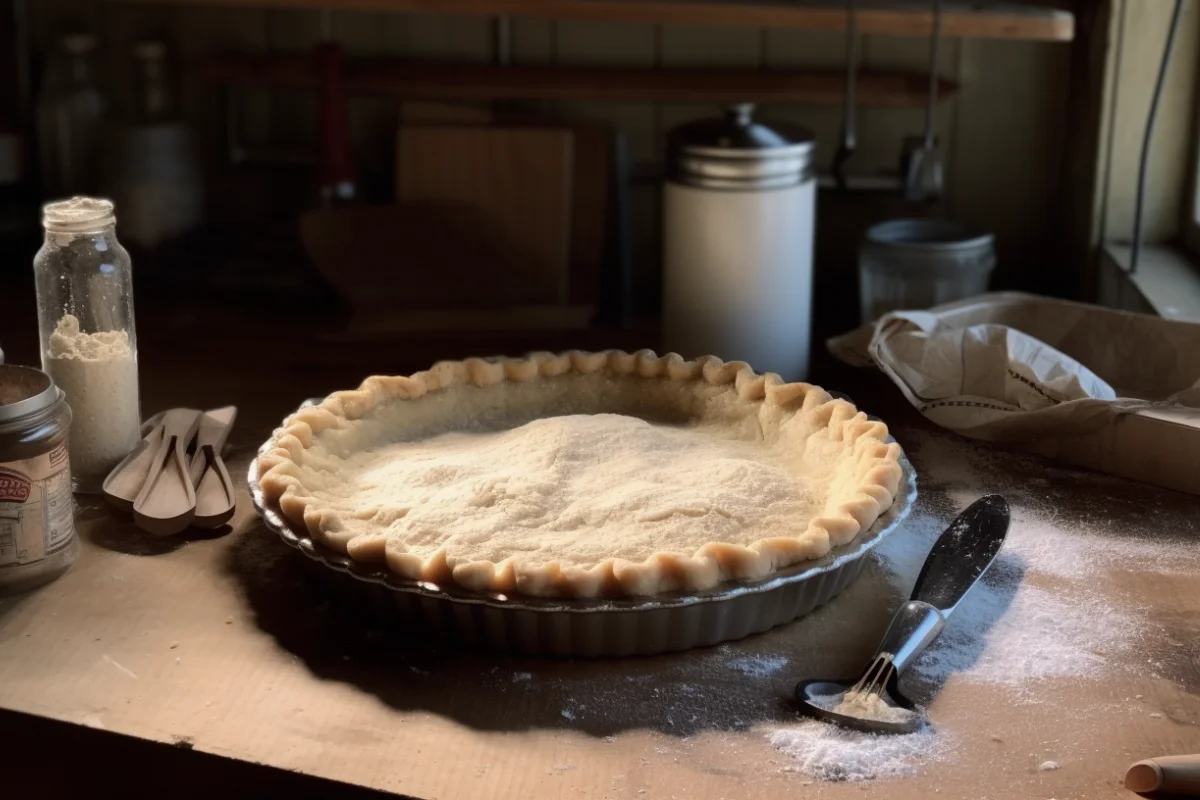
575,489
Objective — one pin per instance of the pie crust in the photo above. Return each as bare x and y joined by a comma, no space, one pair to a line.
826,445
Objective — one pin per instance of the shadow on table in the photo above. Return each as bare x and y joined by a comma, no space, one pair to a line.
115,531
733,686
9,603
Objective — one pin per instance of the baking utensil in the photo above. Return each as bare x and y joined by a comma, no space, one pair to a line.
125,482
921,165
166,504
216,497
848,143
959,558
664,623
1179,775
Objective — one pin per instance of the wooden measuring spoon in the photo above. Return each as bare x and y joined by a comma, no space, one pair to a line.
216,497
167,502
126,480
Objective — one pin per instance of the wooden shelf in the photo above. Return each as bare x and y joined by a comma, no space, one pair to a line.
420,81
959,19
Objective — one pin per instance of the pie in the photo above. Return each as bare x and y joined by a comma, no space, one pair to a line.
581,474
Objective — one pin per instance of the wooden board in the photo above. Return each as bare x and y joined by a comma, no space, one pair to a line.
994,21
519,177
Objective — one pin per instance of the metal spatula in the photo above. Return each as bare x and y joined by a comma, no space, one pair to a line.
873,703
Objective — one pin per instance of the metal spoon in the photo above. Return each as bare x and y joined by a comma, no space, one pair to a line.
921,165
959,558
849,143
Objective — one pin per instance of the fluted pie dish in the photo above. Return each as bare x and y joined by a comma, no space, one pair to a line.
581,475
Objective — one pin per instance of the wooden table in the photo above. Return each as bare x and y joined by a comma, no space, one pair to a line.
213,663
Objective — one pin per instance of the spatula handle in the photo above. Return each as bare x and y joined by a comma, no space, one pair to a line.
913,629
963,553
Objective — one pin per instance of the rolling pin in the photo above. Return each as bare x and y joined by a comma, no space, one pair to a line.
1167,775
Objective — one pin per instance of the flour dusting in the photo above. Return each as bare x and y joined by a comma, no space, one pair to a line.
758,666
829,753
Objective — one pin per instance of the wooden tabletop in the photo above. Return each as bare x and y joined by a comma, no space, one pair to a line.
214,661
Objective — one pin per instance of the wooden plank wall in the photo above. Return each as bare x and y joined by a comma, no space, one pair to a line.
1001,138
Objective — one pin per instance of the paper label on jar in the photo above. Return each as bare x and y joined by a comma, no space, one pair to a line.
37,512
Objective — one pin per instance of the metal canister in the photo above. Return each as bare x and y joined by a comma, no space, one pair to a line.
739,206
37,511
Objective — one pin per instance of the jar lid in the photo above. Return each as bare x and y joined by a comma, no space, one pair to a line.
736,152
78,215
25,391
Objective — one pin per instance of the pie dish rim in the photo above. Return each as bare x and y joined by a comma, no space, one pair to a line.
281,457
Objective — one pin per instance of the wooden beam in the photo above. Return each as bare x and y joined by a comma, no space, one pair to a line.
959,19
422,81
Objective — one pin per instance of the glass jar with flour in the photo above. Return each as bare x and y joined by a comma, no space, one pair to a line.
85,312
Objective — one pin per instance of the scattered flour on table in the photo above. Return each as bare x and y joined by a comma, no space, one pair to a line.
829,753
98,374
758,666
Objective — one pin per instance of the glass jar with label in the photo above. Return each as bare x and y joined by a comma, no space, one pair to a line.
89,347
37,522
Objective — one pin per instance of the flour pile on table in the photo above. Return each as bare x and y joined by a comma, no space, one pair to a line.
829,753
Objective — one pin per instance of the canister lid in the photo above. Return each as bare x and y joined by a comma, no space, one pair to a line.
735,152
25,391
